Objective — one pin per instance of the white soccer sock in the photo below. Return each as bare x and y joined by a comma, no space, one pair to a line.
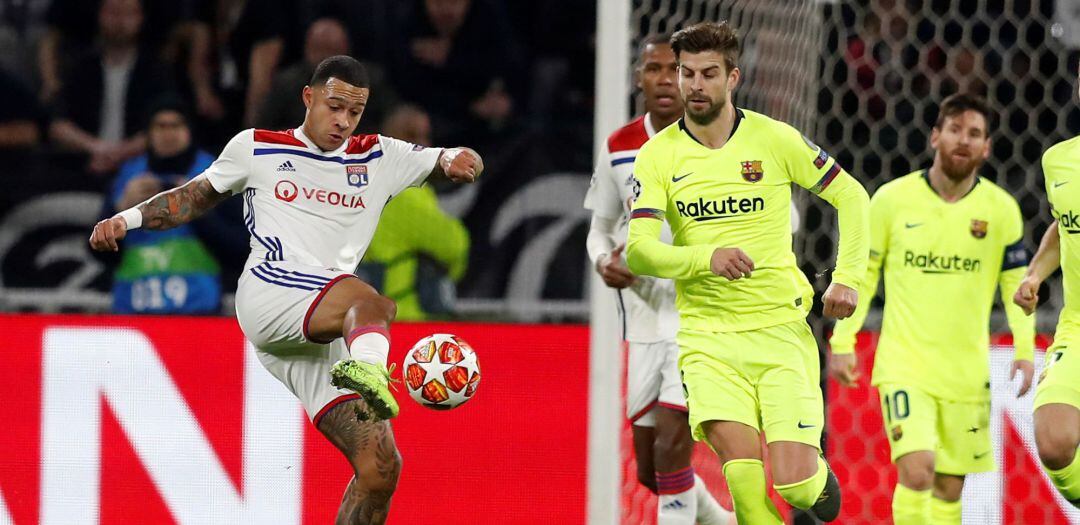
709,511
676,508
369,344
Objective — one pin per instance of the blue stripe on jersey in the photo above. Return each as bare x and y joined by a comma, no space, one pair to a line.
255,270
274,151
625,160
1016,256
298,275
249,218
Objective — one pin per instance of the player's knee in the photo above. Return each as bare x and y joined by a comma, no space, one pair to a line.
674,447
378,473
916,475
373,307
793,472
1057,448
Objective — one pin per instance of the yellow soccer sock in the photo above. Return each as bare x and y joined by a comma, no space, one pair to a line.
746,482
910,507
944,512
803,494
1067,480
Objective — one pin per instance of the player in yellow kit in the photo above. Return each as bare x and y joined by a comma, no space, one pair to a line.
721,177
1057,398
947,240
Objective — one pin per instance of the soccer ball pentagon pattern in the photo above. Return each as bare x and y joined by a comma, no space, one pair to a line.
441,372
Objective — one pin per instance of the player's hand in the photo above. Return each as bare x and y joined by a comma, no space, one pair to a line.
613,270
1027,369
107,233
843,368
461,164
731,263
1027,295
840,301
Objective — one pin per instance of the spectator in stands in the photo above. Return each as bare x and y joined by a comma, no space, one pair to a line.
20,114
326,37
22,26
261,35
163,272
107,91
459,61
418,251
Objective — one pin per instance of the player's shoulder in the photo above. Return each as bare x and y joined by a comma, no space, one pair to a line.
266,137
360,144
998,198
905,187
629,137
1067,151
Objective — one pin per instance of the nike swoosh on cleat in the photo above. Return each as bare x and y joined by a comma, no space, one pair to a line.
912,224
677,179
979,456
801,425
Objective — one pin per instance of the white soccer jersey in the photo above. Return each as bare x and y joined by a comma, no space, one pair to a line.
649,313
309,206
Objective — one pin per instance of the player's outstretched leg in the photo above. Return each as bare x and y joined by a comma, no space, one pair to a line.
945,505
803,478
739,449
914,488
353,309
1057,436
370,449
684,498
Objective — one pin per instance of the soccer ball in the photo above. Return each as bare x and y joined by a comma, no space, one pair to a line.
441,371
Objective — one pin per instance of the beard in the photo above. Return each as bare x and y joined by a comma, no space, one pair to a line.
959,170
706,117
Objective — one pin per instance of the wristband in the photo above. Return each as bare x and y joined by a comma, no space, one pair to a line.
132,218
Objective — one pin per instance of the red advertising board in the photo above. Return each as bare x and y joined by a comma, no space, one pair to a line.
172,420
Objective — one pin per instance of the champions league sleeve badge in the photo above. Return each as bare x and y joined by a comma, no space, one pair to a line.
356,175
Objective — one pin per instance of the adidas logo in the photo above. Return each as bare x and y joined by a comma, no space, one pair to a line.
675,505
286,166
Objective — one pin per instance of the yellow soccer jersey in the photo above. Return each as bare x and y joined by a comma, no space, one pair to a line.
942,262
738,196
1061,167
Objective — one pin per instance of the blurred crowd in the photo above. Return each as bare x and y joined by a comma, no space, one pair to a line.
138,96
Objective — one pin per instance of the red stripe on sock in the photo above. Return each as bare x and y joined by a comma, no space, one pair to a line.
675,482
361,330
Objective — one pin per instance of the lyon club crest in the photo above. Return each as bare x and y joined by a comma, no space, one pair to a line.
356,175
751,170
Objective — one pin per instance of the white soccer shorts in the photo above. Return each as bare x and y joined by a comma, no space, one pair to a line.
652,380
274,303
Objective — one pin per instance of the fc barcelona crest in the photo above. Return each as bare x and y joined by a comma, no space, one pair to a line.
978,228
897,433
357,175
751,170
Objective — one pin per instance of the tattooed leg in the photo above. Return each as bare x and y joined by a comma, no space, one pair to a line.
370,449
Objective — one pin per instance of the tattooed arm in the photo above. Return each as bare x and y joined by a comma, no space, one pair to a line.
165,210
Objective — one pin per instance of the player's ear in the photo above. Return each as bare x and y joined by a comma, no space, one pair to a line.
733,78
935,133
986,149
308,95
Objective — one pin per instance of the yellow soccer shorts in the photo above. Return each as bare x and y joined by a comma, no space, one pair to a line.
767,379
1059,381
957,432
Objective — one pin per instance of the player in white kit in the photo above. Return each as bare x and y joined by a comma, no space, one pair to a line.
655,403
313,196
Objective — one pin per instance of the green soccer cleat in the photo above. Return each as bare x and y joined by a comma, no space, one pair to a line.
369,380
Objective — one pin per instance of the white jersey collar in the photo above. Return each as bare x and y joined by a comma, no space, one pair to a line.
649,130
299,133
